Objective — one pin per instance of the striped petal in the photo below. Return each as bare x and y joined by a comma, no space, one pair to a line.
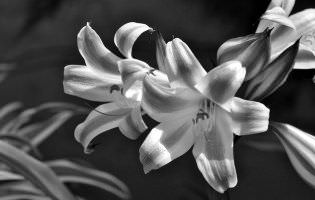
222,82
101,119
166,142
300,148
95,54
87,83
158,99
285,5
213,150
126,36
183,68
132,125
282,37
253,51
248,117
273,76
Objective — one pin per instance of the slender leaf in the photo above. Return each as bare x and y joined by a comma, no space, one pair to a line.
71,172
36,172
38,132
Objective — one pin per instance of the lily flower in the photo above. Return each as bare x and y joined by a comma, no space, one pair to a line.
198,109
300,148
100,80
284,36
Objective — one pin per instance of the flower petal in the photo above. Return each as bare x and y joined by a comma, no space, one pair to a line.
213,151
95,54
222,82
286,5
300,148
183,68
282,37
159,99
132,72
249,117
126,36
273,76
166,142
253,51
101,119
279,16
132,125
87,83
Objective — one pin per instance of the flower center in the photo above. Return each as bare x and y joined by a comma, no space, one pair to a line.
204,119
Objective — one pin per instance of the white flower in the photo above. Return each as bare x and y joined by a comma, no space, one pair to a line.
102,79
200,110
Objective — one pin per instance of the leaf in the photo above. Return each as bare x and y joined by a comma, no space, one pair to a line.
71,172
8,111
36,133
20,186
9,176
21,143
26,115
36,172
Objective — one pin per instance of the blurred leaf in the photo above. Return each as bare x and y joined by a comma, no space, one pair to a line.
51,107
21,195
9,111
27,133
19,186
36,172
38,132
71,172
9,176
20,142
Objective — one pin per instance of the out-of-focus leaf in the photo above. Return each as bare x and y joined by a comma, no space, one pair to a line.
38,132
19,196
9,176
20,186
8,111
20,142
273,76
27,115
71,172
34,171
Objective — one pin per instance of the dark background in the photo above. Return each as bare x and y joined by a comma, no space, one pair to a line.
39,38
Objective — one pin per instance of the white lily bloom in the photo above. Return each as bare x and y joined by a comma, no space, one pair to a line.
102,80
200,110
284,34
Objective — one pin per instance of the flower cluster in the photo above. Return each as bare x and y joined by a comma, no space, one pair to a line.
196,108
